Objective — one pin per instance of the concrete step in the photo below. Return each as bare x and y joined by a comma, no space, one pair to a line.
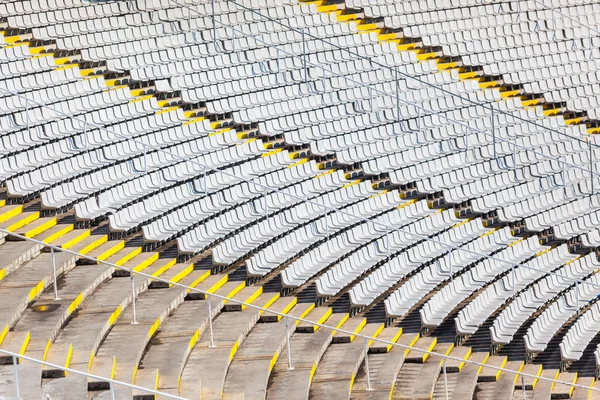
390,334
96,315
15,254
170,348
138,262
503,387
19,220
204,374
51,235
306,352
249,372
581,393
528,382
247,295
44,317
462,352
283,306
122,349
318,315
561,390
417,380
71,238
339,365
89,243
426,343
36,227
354,325
487,374
107,249
174,273
384,367
27,283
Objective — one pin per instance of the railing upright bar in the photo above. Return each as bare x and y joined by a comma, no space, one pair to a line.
16,372
55,284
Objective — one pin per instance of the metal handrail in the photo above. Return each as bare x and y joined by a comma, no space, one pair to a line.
327,209
367,339
112,382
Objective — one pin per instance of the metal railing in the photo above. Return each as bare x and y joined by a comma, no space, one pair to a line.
112,383
327,210
287,318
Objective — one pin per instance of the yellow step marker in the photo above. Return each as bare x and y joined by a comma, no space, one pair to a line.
551,112
41,228
426,56
446,65
146,263
388,37
22,220
346,17
2,203
573,121
58,234
488,84
97,242
509,93
8,212
327,8
164,103
127,255
467,75
113,250
85,233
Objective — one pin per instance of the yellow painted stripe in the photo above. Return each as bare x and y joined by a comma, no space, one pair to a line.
59,234
146,263
412,343
113,250
252,297
46,350
24,221
270,302
194,339
2,273
467,356
487,356
322,319
101,240
69,356
430,348
234,350
2,202
86,233
183,273
359,328
342,322
198,280
41,228
141,98
313,370
168,109
193,121
154,327
376,333
165,268
74,304
156,380
11,213
25,343
218,284
114,368
33,293
3,333
134,252
91,361
235,290
270,153
114,316
273,361
305,313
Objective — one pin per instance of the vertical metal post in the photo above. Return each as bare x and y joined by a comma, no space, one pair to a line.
133,298
289,349
54,272
451,271
112,391
210,323
16,369
419,119
387,242
233,40
367,364
445,378
326,223
371,109
523,387
467,138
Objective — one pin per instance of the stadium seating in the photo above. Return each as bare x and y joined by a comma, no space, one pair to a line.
317,159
